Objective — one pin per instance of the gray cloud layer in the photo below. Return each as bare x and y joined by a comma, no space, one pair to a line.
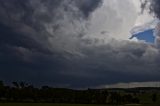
44,42
155,7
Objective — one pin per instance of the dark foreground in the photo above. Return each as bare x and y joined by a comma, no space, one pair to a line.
45,104
27,94
50,104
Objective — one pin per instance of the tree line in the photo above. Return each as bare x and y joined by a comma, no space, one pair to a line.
23,92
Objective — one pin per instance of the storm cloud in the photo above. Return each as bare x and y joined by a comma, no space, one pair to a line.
155,7
59,43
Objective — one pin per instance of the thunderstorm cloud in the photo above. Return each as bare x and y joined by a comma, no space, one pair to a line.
74,43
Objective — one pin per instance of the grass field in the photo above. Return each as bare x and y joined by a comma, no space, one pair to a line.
50,104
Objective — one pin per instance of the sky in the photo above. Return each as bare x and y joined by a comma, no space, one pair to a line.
77,43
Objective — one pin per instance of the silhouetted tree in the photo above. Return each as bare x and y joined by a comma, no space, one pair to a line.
154,97
2,89
1,84
15,84
22,84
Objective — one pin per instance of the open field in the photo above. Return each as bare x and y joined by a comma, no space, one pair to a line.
50,104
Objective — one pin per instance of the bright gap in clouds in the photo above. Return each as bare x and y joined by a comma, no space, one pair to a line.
115,19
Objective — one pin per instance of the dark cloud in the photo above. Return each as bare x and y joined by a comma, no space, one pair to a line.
88,6
25,51
155,7
43,42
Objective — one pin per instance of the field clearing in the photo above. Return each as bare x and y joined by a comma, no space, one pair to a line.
51,104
